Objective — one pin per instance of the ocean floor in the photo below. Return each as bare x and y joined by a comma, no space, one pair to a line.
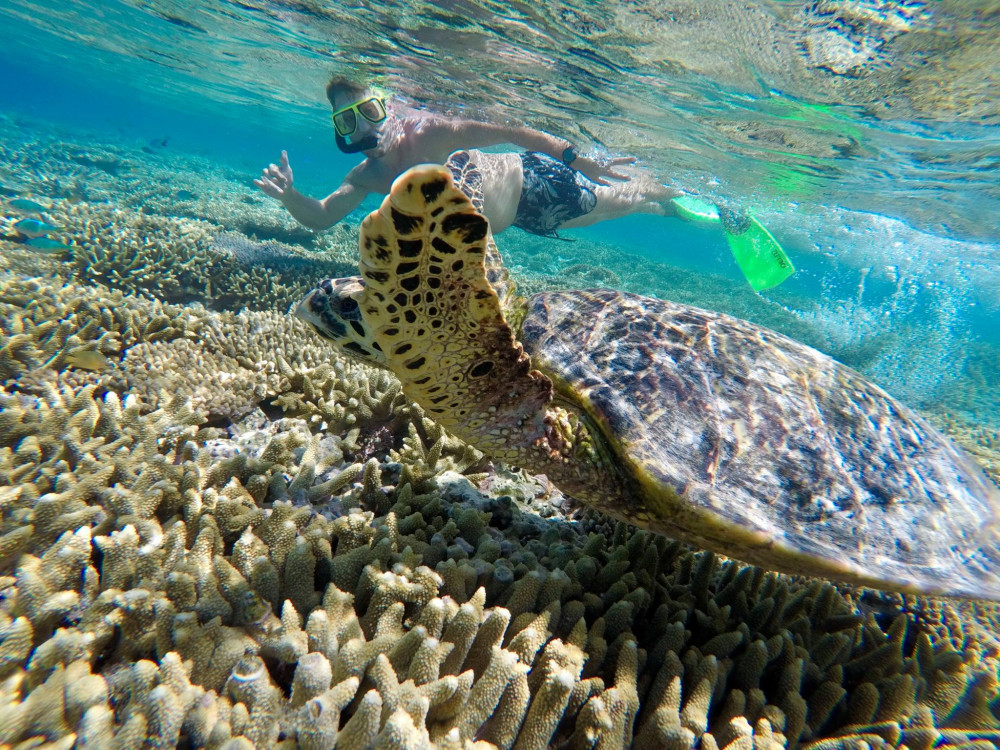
216,532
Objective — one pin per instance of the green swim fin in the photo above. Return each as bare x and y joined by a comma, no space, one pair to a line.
757,253
759,256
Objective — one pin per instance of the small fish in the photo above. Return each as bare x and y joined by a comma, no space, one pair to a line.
155,143
78,192
47,244
87,360
26,205
185,195
33,227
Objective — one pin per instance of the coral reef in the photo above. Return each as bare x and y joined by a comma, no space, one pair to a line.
980,441
214,532
186,260
226,363
280,596
76,166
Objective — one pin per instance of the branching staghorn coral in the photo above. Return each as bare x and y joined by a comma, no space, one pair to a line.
227,363
982,442
187,260
154,178
141,566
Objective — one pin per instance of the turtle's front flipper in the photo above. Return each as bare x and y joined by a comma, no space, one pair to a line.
436,317
439,322
468,178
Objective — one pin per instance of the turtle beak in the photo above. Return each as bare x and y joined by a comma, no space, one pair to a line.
315,310
304,310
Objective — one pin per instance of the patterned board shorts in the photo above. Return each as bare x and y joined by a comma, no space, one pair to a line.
552,194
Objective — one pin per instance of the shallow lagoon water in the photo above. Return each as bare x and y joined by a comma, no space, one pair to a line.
863,135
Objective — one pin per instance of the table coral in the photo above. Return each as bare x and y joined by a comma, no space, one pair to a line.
185,260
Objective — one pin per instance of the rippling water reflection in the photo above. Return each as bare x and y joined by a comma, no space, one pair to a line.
876,105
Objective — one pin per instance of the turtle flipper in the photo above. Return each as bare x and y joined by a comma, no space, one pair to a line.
432,310
468,178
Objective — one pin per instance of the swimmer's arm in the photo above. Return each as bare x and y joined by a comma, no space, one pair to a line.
279,182
322,214
470,134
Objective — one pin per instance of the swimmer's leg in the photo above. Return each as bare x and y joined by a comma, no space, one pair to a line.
623,199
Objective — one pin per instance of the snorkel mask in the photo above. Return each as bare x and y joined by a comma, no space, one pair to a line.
346,119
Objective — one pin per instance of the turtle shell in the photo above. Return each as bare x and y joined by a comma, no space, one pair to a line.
759,447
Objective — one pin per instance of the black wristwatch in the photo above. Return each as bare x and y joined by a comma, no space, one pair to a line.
569,155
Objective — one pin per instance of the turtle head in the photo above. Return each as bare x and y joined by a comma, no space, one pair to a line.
332,309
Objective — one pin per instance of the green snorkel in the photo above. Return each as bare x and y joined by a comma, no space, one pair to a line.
759,256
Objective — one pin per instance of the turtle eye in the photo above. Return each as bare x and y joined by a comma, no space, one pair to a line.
481,369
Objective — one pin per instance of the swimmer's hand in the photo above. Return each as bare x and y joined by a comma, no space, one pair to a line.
603,170
276,181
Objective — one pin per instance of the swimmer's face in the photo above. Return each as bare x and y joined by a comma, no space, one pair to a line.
358,126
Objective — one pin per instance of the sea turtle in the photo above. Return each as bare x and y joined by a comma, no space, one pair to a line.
687,422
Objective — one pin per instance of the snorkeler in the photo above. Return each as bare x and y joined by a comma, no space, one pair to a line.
394,138
541,195
546,188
